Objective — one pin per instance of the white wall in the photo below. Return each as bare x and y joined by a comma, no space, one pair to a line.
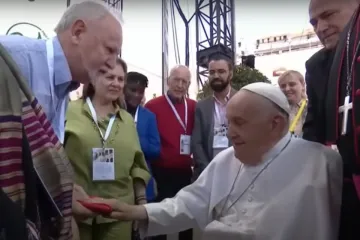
289,60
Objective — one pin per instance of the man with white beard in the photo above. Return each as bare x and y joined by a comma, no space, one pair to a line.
268,186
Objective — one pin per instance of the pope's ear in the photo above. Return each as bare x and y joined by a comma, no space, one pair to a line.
278,122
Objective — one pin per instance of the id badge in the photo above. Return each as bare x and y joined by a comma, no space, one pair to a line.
185,144
103,164
221,142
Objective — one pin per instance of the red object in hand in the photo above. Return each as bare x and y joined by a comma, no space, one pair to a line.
97,207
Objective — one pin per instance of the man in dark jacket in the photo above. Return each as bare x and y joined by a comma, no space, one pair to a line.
329,19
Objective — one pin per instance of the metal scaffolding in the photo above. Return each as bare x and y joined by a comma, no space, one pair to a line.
172,8
215,33
118,4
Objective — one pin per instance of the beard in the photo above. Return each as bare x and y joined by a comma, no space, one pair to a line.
219,85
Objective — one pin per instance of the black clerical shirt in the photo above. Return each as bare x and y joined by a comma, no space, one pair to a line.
345,143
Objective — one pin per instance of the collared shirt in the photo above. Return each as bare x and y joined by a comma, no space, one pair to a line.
220,120
82,135
30,56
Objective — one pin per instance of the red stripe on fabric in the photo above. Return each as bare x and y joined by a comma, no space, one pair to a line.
10,155
10,142
11,167
8,182
45,129
9,129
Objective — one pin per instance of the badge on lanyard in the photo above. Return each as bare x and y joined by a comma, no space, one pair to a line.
184,138
220,133
103,158
220,137
185,144
103,164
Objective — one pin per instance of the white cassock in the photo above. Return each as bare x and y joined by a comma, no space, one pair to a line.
294,196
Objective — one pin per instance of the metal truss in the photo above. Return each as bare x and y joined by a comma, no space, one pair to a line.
173,7
215,33
118,4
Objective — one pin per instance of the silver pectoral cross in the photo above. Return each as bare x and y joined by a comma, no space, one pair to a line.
344,109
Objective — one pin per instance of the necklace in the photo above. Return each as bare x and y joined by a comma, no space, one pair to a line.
347,106
350,67
223,210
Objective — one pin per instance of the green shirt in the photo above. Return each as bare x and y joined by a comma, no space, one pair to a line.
82,135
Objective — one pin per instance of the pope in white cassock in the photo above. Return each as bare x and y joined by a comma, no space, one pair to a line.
269,185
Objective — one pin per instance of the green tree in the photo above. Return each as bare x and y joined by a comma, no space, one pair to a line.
242,76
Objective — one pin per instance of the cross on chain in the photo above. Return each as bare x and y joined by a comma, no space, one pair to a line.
347,106
344,109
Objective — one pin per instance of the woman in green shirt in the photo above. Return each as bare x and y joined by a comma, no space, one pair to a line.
103,147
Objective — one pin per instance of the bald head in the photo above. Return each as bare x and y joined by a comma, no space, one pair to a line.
329,18
179,81
256,124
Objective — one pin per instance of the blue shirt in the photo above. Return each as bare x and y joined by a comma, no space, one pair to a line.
150,144
31,57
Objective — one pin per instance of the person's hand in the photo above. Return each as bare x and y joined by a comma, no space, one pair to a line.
123,211
79,211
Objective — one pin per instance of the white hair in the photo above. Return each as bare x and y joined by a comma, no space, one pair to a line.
176,67
86,10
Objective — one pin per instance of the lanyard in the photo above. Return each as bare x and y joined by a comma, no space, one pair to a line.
50,62
184,125
225,210
108,129
136,115
297,117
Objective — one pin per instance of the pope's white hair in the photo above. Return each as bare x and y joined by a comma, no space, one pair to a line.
86,10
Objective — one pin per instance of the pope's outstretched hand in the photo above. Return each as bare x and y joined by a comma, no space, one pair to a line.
123,211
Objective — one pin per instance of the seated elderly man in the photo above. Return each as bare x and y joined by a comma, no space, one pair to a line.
269,185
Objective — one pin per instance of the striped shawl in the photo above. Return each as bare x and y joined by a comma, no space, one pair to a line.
21,117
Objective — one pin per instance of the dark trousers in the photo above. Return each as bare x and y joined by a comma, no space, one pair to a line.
350,213
169,182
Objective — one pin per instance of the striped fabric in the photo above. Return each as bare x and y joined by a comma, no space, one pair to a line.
18,109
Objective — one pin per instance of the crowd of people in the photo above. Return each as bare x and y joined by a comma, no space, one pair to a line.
263,162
